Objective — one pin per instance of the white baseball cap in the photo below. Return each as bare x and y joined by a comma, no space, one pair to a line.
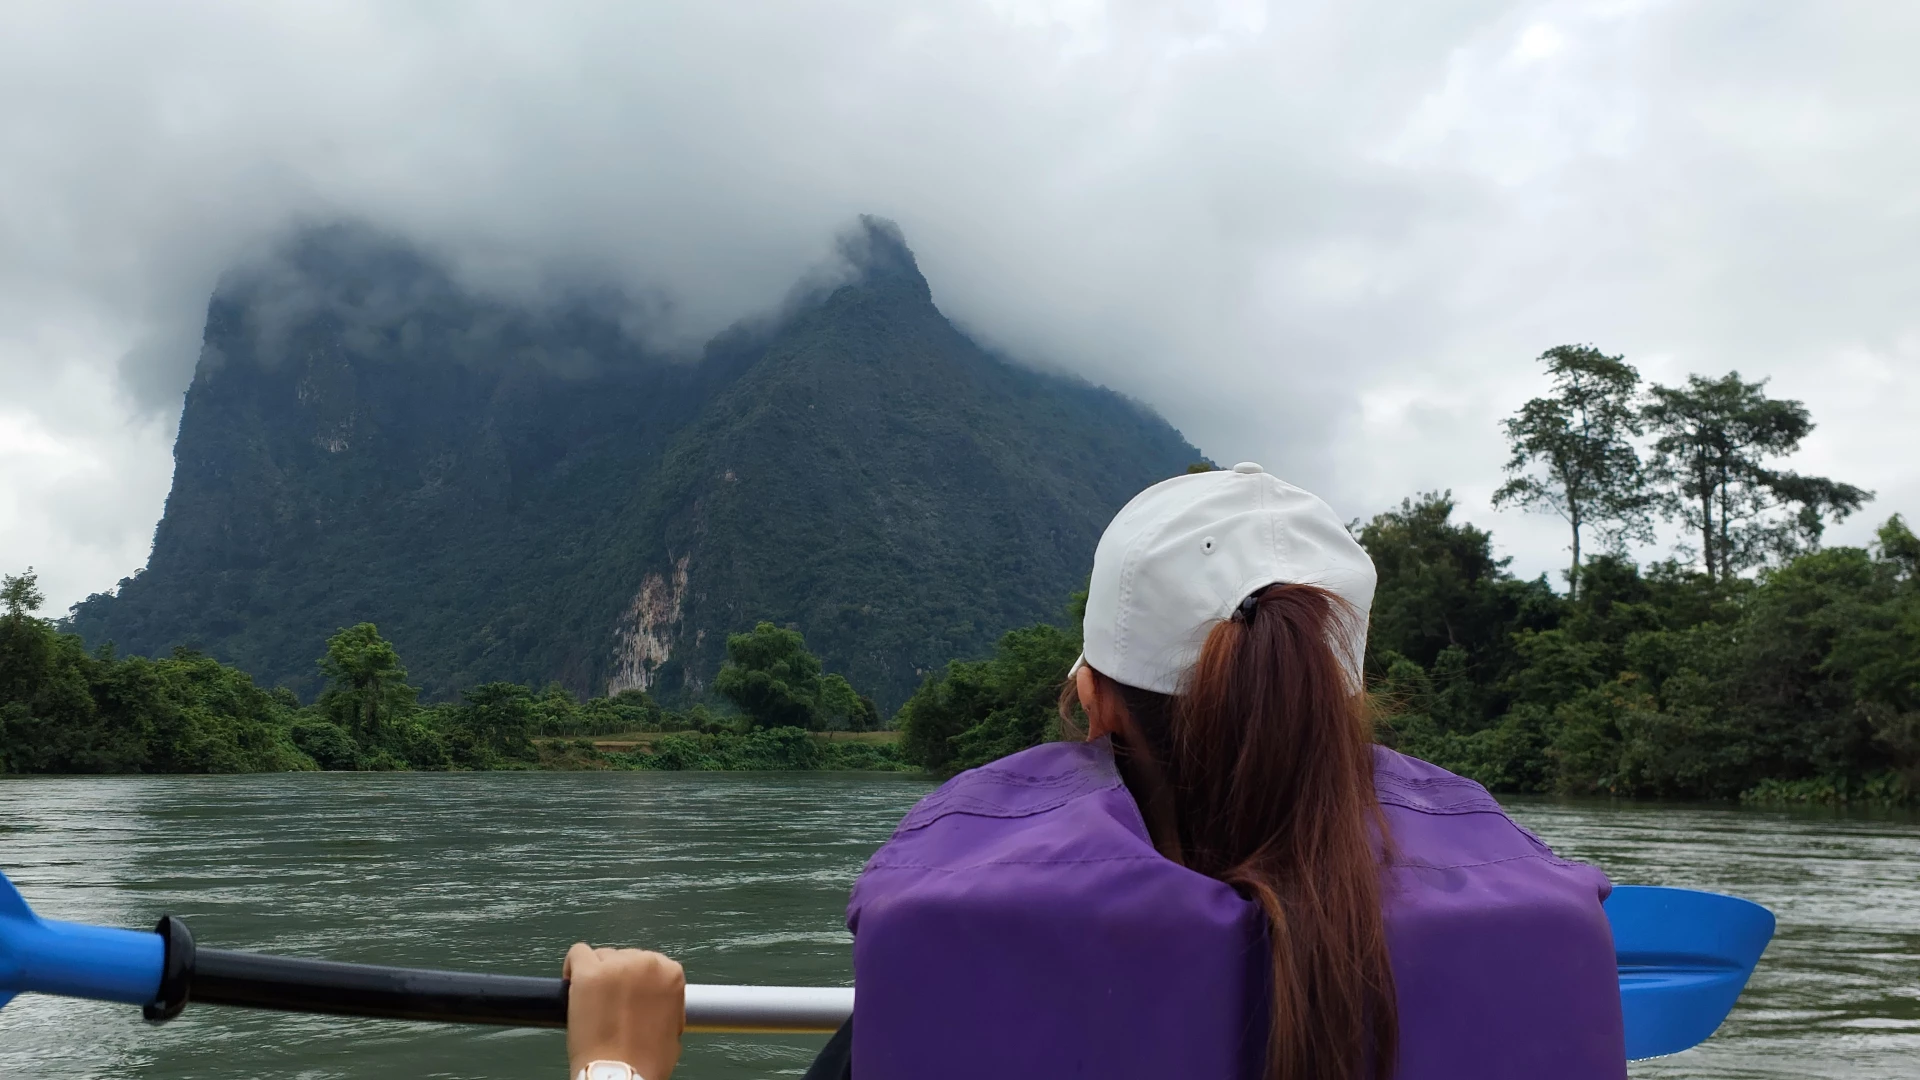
1185,552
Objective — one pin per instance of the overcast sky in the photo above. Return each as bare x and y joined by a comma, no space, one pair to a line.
1331,237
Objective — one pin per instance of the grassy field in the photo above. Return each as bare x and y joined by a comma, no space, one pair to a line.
622,742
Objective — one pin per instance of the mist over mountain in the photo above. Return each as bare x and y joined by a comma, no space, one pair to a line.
536,493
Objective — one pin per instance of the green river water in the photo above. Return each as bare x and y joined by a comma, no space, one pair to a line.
743,877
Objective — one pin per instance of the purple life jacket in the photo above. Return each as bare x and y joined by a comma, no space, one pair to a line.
1020,924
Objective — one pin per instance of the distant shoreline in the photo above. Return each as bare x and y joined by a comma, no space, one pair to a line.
627,741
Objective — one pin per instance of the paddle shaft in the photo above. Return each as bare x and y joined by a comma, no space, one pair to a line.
293,984
453,997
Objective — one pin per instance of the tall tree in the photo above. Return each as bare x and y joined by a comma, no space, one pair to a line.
772,677
25,643
21,594
366,686
1713,440
1573,452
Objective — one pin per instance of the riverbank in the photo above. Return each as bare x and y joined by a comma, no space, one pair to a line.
1818,716
764,750
64,710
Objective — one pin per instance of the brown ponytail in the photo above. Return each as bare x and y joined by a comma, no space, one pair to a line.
1260,773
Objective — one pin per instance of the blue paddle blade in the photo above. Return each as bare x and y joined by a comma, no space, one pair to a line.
12,909
12,904
1684,957
51,957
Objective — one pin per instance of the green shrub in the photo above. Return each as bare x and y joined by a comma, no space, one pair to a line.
328,744
1879,789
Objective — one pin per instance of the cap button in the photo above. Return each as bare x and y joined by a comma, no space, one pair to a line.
1248,467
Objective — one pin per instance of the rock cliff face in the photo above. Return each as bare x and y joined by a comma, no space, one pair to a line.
644,642
523,495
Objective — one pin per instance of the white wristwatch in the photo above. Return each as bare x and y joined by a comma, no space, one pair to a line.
607,1070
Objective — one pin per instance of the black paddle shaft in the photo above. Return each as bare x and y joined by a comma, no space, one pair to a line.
326,986
292,984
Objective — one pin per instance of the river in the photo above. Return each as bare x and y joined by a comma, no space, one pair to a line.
743,877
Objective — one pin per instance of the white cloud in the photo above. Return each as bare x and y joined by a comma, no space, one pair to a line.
1537,42
1330,236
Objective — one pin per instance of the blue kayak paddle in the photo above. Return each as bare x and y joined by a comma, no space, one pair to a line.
1684,957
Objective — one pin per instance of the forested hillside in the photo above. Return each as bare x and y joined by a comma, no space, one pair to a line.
532,495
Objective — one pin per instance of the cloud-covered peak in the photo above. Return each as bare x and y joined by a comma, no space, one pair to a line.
876,251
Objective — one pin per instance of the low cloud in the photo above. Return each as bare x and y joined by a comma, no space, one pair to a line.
1330,237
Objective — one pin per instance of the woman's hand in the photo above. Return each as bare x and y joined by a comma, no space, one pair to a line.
624,1005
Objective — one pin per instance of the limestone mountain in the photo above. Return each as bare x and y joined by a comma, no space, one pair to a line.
532,494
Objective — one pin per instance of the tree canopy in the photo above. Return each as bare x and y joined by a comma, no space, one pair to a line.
366,686
978,710
63,709
772,677
1713,441
1580,441
1800,682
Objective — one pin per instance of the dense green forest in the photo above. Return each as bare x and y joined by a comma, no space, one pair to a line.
1755,664
66,710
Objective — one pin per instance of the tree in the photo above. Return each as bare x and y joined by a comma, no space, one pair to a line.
868,716
1440,585
26,643
1028,669
1900,547
772,677
366,686
976,711
48,718
1714,437
65,711
845,709
21,594
946,705
1580,436
494,721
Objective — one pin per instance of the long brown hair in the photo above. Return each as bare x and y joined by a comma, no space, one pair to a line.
1259,773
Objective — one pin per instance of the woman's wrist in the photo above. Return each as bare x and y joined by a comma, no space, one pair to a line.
615,1069
638,1064
625,1006
647,1049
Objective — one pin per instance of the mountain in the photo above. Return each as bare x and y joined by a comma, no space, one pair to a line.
534,495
